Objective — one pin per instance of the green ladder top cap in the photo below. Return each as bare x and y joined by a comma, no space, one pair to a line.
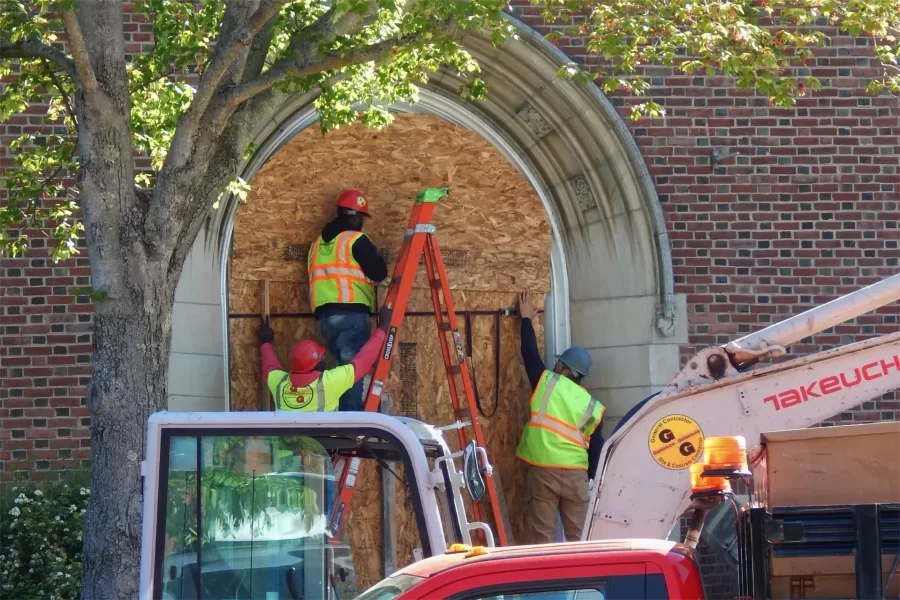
431,195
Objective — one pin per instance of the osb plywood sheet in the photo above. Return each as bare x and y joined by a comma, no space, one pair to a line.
364,526
419,386
493,229
495,238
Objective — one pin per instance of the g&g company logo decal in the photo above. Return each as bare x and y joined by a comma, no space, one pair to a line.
676,442
360,201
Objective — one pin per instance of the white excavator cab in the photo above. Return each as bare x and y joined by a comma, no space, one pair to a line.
238,505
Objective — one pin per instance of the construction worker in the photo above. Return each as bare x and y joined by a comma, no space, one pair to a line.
344,266
309,386
564,428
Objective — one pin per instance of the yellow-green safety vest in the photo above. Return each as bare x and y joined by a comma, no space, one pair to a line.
321,395
335,276
563,418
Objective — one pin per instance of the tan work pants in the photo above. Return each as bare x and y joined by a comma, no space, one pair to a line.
548,490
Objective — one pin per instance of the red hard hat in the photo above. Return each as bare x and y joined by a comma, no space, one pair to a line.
305,355
354,200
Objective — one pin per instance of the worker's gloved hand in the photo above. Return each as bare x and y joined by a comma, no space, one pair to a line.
384,318
265,333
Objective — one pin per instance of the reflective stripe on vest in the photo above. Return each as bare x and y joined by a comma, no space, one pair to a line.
563,417
302,399
335,276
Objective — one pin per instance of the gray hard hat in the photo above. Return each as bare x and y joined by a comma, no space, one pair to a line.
577,359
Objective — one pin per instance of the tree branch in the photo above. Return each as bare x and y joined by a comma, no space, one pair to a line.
228,50
259,50
237,33
33,48
264,14
70,108
305,66
79,51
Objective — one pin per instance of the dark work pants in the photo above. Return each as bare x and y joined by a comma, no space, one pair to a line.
345,334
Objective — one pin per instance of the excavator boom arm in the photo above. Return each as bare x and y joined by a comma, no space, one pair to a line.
644,484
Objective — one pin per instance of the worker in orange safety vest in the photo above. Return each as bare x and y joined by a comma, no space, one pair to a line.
309,386
344,266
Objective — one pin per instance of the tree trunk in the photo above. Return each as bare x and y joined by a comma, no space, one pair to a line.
137,245
132,336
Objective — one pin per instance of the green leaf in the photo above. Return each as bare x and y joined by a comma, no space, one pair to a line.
621,39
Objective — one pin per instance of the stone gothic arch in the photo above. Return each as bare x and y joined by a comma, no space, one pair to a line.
612,283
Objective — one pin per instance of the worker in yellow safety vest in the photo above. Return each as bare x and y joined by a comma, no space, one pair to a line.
309,386
561,441
344,266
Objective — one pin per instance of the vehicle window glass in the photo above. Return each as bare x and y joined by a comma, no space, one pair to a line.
247,517
592,592
617,587
637,587
390,588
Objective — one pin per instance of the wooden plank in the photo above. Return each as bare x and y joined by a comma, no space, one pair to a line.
842,431
843,465
826,576
826,587
820,565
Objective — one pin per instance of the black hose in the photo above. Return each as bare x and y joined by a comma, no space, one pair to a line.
468,320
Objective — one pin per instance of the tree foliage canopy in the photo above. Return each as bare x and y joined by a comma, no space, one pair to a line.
211,59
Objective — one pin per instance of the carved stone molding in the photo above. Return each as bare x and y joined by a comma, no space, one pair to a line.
534,120
583,194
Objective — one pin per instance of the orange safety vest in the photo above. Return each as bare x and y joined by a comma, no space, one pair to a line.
335,276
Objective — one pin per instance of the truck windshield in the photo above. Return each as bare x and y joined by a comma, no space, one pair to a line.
247,517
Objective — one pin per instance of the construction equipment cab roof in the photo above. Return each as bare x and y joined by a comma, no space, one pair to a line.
596,570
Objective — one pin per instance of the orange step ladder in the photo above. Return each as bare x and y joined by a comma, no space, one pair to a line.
419,240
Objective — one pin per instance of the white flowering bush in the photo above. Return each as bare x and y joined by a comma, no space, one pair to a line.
40,542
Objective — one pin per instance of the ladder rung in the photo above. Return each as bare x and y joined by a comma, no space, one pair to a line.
436,283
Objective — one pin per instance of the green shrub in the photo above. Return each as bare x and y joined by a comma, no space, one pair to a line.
40,531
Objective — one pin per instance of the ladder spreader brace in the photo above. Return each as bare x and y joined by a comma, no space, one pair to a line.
419,240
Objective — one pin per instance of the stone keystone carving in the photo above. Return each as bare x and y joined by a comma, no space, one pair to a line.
534,120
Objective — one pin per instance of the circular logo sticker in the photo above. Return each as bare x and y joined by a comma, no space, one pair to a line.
360,201
676,442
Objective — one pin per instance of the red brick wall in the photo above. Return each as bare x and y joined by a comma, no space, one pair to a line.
45,362
45,331
802,208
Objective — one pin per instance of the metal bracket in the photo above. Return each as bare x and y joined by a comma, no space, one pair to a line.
624,520
421,228
779,531
799,585
742,398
